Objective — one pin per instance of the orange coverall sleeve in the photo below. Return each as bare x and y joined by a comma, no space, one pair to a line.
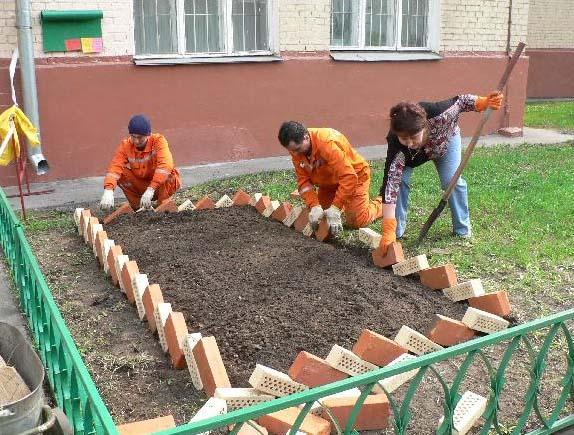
305,187
344,169
116,166
164,163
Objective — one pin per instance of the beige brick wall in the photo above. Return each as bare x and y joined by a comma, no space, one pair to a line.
304,25
481,25
117,25
551,24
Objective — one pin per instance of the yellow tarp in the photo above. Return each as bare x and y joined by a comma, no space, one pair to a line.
23,127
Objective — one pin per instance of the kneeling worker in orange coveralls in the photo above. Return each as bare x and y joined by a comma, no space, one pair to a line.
324,157
143,168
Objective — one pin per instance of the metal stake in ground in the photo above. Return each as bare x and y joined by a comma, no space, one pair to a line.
446,195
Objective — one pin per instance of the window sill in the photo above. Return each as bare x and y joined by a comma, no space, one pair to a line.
383,56
147,60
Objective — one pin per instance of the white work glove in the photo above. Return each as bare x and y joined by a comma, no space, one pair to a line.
315,216
333,215
107,200
145,201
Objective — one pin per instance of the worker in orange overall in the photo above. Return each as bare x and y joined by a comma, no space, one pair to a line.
324,157
143,168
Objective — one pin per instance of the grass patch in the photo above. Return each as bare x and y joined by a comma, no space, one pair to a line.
522,212
38,221
558,115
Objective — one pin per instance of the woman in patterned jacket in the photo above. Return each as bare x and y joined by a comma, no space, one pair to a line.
419,133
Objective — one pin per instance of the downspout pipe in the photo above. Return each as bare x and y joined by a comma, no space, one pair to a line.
28,77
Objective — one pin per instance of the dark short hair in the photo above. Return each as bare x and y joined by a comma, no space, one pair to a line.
407,117
291,131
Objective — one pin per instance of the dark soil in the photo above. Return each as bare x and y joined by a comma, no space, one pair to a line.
267,292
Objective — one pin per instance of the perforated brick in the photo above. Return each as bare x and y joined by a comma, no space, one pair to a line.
108,244
237,398
308,230
412,265
224,201
346,361
186,205
484,322
212,408
292,216
188,344
391,383
369,237
140,284
161,312
464,290
273,205
468,410
274,382
119,265
415,341
77,215
255,198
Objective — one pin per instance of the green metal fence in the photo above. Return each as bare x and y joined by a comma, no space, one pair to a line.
77,394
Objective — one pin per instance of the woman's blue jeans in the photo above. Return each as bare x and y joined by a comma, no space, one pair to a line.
446,166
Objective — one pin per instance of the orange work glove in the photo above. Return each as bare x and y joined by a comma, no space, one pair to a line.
493,100
389,236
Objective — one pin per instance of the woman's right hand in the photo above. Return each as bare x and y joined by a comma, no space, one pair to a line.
389,234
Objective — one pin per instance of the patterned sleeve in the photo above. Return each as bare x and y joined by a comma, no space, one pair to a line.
466,102
392,178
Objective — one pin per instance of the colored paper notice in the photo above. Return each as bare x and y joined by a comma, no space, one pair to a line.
73,44
92,45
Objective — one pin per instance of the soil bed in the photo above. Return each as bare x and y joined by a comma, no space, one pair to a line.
265,291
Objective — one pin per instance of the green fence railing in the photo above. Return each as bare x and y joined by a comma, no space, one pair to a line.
73,387
77,394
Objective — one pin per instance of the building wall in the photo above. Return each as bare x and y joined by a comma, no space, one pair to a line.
551,24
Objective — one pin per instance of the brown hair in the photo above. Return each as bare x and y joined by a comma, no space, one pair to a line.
407,117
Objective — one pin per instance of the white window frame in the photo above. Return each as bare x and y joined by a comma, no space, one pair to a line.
432,35
273,27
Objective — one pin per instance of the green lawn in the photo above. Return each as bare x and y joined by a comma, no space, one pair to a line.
522,210
557,115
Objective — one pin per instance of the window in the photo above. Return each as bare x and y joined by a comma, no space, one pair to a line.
383,24
202,27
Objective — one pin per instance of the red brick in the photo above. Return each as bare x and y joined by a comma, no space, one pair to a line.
263,203
125,208
394,255
241,198
448,332
302,220
312,371
168,206
175,331
85,215
204,203
295,194
323,234
247,429
113,254
93,221
145,427
281,212
280,422
151,298
100,237
377,349
374,413
129,271
495,303
210,364
439,277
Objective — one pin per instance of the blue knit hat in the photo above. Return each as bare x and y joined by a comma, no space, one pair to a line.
139,124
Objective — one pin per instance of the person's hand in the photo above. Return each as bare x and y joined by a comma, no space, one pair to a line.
146,198
493,100
333,215
107,200
389,236
315,216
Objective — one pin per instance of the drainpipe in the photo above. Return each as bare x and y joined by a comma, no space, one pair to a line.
509,55
28,77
